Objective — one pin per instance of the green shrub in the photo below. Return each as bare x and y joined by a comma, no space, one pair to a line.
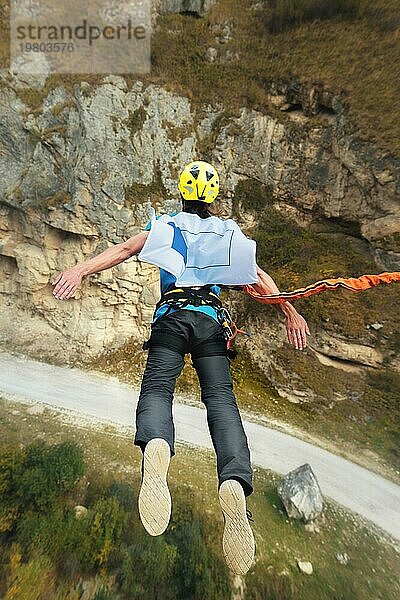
251,195
284,247
57,534
125,494
33,479
93,541
47,472
33,580
104,528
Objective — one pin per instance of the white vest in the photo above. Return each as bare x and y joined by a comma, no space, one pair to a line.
200,251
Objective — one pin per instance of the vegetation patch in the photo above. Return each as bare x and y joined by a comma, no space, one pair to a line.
137,120
155,192
295,257
59,108
288,14
58,199
251,196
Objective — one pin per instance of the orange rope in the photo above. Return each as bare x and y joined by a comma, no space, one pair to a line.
236,330
365,282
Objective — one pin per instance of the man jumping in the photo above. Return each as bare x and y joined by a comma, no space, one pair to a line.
197,253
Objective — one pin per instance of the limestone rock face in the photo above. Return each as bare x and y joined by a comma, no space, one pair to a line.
357,354
330,175
300,493
80,171
67,191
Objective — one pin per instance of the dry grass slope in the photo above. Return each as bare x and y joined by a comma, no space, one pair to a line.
355,53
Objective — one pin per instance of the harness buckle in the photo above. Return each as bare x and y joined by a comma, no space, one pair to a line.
226,322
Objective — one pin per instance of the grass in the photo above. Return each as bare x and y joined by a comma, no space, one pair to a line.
280,542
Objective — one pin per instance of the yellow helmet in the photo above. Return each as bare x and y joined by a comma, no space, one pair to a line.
199,181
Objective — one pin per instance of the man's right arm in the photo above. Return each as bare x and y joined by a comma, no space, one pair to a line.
296,325
67,282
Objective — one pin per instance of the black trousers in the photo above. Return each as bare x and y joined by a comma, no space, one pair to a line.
173,336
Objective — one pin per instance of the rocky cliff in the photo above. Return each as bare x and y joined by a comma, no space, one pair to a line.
82,164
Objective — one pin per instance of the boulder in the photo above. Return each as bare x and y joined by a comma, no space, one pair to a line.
300,493
305,567
80,511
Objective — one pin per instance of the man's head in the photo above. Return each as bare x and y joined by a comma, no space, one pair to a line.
199,181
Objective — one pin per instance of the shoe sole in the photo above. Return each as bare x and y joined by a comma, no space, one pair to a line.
238,539
154,500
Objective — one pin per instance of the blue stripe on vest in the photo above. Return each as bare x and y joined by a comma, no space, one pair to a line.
178,242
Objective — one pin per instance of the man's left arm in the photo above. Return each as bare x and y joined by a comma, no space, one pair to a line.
296,325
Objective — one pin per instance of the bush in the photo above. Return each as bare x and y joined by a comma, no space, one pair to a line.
33,580
125,494
48,546
284,246
251,195
34,478
56,534
91,542
103,528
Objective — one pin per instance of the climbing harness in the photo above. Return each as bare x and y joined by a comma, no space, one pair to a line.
179,298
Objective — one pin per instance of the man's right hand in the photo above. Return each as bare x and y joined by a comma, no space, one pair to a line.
296,329
66,283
